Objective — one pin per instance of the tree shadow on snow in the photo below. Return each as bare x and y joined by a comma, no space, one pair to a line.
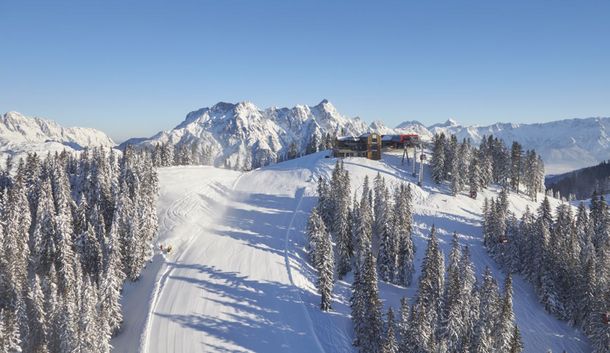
257,310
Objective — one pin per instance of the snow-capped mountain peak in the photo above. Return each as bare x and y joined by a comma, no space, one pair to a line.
564,144
20,134
447,124
245,135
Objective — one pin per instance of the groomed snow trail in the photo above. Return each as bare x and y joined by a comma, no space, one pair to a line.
228,287
238,280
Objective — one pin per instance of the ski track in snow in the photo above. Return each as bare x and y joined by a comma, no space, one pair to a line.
238,279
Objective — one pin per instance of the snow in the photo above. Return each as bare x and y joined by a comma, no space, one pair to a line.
564,144
238,281
20,135
242,131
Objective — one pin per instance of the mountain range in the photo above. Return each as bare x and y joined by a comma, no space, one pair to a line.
20,135
244,135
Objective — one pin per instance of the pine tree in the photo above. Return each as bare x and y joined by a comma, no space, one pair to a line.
340,191
474,178
438,158
324,202
402,228
516,344
452,325
363,228
428,304
469,299
316,231
488,312
37,320
387,255
506,321
372,335
325,269
515,166
404,327
389,344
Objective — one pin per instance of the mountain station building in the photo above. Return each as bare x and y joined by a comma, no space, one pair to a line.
370,145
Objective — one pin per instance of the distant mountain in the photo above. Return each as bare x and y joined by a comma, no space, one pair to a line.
20,134
582,182
245,135
564,144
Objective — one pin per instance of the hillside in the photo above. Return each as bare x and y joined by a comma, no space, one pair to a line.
238,279
582,182
20,134
564,144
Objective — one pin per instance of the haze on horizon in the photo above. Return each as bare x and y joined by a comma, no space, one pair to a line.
134,68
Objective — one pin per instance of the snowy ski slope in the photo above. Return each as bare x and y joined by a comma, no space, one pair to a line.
238,281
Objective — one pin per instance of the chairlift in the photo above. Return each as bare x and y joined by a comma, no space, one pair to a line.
606,318
503,240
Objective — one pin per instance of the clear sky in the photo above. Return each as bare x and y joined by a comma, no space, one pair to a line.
132,68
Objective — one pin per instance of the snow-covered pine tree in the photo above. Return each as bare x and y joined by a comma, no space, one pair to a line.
387,255
474,177
484,340
452,328
505,328
451,151
530,174
325,267
486,162
389,344
598,328
340,229
470,299
516,344
404,327
110,289
402,228
428,304
316,230
515,165
372,334
439,158
37,319
363,228
16,220
324,202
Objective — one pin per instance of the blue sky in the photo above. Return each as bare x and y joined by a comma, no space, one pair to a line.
132,68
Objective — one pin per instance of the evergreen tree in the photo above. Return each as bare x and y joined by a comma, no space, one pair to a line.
363,228
325,269
389,344
428,304
387,255
37,320
484,339
452,325
515,165
504,333
516,345
316,231
438,158
402,228
474,178
340,191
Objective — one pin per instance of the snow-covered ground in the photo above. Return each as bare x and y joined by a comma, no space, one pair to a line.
237,279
